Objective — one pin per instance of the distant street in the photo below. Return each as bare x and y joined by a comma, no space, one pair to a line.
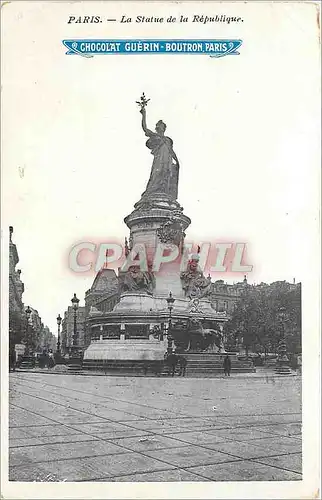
97,428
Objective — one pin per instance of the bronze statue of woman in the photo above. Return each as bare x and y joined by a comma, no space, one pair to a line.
164,172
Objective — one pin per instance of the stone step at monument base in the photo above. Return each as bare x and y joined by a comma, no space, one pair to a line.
219,369
74,368
212,363
210,356
27,362
75,363
270,363
209,368
194,368
206,372
283,370
218,364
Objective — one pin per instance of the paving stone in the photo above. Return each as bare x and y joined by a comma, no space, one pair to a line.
24,419
244,471
111,435
258,420
34,473
67,439
70,419
128,463
244,434
60,451
49,430
135,413
152,425
19,433
60,470
241,421
176,475
192,423
278,445
22,442
289,418
190,455
165,430
119,416
290,429
99,426
198,438
292,462
148,443
244,449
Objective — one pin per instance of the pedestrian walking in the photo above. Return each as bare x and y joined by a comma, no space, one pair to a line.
51,360
172,363
227,366
12,360
182,366
42,359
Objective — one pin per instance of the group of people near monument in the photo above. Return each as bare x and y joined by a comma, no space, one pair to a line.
173,360
46,359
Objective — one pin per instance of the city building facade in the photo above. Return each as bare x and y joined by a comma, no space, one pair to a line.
16,286
46,340
224,296
102,296
25,325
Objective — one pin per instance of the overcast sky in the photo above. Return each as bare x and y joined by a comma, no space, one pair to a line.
75,162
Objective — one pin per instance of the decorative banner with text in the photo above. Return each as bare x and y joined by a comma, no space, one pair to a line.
213,48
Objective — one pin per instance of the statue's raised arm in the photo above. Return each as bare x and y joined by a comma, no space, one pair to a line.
147,132
143,104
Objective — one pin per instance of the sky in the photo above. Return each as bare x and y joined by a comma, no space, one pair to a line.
74,157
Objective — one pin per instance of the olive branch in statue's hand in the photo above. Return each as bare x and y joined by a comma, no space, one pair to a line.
142,103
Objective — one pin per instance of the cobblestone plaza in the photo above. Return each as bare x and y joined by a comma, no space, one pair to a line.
67,427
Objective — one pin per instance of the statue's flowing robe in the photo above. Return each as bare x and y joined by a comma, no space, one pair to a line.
164,174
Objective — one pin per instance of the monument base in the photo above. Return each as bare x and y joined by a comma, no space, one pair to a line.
146,356
126,356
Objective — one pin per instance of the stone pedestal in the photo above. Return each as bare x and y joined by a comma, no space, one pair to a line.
127,356
129,350
75,361
27,361
282,363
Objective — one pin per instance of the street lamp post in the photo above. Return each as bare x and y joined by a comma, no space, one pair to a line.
28,313
282,364
58,351
28,360
170,301
75,362
75,302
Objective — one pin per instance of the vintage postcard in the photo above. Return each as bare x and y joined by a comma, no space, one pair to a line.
160,238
